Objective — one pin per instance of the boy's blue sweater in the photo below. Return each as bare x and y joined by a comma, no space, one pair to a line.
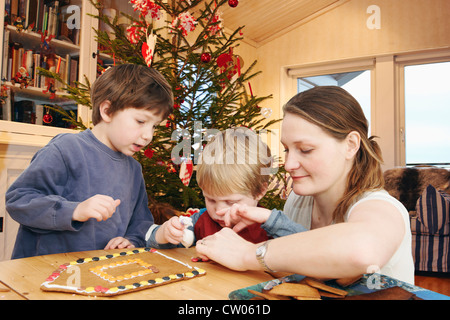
67,171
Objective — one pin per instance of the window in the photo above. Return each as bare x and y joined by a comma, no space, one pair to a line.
427,113
405,97
357,83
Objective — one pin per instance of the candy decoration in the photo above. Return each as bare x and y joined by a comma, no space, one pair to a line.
112,281
199,259
186,171
148,49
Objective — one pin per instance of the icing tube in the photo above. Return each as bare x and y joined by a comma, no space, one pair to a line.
188,235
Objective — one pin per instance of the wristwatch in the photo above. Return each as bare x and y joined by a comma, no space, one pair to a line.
260,253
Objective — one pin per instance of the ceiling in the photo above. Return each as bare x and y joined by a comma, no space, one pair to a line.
264,20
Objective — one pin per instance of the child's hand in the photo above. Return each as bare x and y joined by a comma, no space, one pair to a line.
119,243
170,231
244,214
99,207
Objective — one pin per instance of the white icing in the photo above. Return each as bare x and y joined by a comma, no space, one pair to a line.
188,234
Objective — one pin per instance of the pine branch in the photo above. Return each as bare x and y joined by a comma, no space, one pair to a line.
80,93
202,91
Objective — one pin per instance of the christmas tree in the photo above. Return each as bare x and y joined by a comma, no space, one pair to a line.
186,42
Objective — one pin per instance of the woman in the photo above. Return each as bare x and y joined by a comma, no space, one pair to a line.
355,226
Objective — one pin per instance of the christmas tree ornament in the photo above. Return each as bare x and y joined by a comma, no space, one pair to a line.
148,49
184,22
147,7
205,57
233,3
191,211
170,168
135,32
186,170
149,153
229,63
45,42
47,118
266,112
215,24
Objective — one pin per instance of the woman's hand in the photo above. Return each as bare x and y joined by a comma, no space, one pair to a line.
244,214
229,249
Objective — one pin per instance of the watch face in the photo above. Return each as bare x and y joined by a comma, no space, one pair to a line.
260,250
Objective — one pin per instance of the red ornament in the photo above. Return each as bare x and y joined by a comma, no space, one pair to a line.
205,57
148,49
149,153
47,118
186,171
233,3
229,63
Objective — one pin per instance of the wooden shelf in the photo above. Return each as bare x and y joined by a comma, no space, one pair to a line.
27,134
32,40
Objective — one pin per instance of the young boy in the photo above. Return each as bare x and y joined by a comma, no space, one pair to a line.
235,167
85,191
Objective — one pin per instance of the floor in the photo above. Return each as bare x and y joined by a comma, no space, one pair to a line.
437,282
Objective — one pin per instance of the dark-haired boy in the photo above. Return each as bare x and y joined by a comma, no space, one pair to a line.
85,191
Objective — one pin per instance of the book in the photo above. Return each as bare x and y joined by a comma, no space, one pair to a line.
14,9
30,19
15,55
39,15
73,71
5,56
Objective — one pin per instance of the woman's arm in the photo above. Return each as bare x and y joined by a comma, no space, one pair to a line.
370,237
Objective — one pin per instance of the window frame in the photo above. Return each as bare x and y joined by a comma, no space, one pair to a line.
402,61
387,92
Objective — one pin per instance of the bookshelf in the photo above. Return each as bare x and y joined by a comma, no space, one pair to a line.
23,130
52,34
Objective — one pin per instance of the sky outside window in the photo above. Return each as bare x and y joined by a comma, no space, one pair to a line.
427,113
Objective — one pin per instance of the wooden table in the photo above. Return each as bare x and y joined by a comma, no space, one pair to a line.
21,279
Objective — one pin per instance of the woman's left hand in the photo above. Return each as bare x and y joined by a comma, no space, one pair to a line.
242,215
229,249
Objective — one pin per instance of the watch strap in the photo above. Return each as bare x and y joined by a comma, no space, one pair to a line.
260,254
